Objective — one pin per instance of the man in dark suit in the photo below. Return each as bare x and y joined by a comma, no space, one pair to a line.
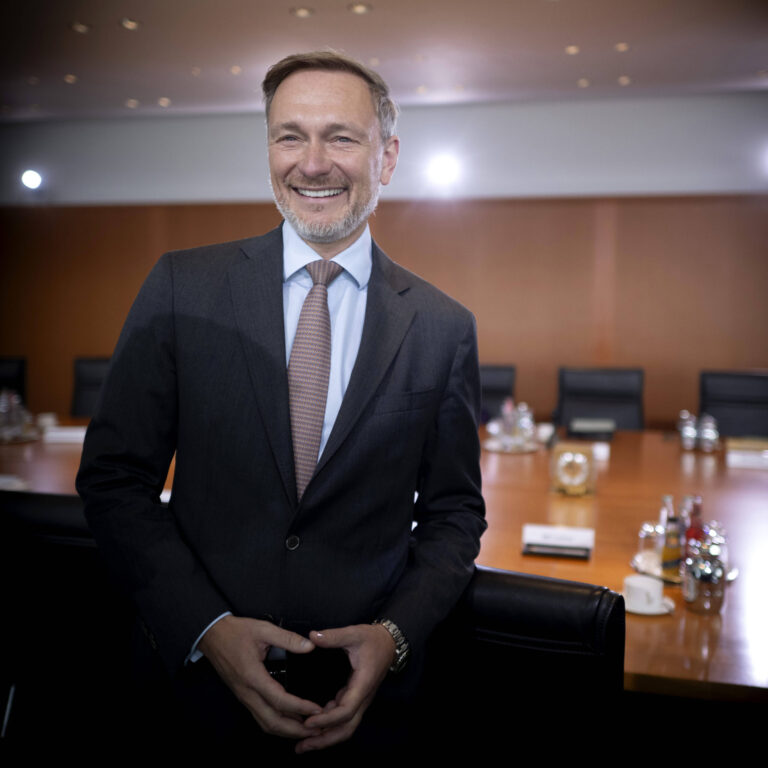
249,560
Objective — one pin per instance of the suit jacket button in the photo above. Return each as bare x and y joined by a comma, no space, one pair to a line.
292,542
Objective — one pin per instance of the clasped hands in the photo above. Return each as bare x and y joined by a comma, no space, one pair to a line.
237,648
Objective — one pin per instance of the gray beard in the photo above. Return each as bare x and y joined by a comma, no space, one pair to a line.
333,231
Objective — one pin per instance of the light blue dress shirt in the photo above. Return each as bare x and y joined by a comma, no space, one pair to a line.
347,298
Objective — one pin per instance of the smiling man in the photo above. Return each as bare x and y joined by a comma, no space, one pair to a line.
322,405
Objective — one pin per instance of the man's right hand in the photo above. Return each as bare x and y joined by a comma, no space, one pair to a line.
237,648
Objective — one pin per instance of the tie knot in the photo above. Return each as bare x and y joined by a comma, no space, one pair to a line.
323,272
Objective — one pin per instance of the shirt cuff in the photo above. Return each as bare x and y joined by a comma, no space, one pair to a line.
195,654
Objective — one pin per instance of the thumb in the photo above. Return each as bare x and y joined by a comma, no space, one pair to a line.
289,641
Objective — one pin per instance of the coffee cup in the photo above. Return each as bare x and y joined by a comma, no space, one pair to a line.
644,594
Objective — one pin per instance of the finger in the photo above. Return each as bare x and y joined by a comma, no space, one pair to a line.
283,638
340,637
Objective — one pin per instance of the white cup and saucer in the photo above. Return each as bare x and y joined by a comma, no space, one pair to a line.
644,594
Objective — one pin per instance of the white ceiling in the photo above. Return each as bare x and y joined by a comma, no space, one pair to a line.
430,51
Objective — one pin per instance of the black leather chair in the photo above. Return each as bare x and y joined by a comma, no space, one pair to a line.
525,655
517,649
737,400
13,375
600,393
497,382
90,373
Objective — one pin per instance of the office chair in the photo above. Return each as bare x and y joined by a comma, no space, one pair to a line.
13,375
737,400
90,373
600,393
497,382
526,654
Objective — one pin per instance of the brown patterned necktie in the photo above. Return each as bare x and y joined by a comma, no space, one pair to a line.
309,368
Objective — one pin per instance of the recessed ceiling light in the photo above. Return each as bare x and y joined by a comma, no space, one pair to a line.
70,79
762,72
374,62
422,89
164,101
359,8
196,71
621,47
302,13
131,103
235,69
80,28
130,24
571,50
624,80
582,82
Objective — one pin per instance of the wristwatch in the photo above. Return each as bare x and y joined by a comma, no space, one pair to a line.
402,649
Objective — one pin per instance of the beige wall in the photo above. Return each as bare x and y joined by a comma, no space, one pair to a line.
670,284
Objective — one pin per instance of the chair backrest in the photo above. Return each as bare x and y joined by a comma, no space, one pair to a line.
600,393
13,375
737,400
90,373
497,383
543,643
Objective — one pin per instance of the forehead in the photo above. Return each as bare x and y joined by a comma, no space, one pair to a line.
314,93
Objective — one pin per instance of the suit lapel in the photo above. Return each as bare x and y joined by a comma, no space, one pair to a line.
388,315
256,283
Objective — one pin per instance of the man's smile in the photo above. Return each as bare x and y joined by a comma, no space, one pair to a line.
304,192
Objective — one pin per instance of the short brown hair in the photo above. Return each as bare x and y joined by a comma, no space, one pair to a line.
333,61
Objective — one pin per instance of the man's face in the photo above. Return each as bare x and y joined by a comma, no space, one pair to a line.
326,156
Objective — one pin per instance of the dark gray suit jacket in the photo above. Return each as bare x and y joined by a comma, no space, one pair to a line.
199,370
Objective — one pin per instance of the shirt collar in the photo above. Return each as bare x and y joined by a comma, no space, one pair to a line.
356,259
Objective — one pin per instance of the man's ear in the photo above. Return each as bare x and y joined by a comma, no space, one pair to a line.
389,158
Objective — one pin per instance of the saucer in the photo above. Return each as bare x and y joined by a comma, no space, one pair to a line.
667,606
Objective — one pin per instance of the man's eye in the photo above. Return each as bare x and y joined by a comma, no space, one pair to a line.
344,139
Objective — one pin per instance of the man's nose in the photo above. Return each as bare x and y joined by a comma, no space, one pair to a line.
315,160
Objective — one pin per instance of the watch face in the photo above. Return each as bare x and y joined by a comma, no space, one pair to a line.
572,468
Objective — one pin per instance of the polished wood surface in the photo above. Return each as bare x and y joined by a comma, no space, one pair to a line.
668,284
723,656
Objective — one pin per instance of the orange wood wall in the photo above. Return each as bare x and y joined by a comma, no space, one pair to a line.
673,285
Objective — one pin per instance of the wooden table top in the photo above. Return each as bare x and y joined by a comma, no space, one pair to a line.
723,656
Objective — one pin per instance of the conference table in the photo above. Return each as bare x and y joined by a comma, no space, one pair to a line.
722,656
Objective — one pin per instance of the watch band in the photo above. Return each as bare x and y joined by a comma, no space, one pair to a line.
402,649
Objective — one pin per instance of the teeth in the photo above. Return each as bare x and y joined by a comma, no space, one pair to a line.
319,192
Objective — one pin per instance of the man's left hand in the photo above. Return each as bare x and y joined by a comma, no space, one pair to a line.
371,650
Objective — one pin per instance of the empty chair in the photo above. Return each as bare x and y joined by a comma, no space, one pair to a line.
13,375
523,652
738,401
600,393
497,382
90,373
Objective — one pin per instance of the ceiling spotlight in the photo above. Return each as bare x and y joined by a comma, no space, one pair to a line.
302,13
571,50
374,61
31,179
582,82
621,47
130,24
235,69
624,80
70,79
196,71
164,101
80,28
421,89
131,103
359,8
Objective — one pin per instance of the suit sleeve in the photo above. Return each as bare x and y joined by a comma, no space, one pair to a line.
450,512
127,452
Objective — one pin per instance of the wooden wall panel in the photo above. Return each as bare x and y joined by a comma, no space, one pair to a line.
672,285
